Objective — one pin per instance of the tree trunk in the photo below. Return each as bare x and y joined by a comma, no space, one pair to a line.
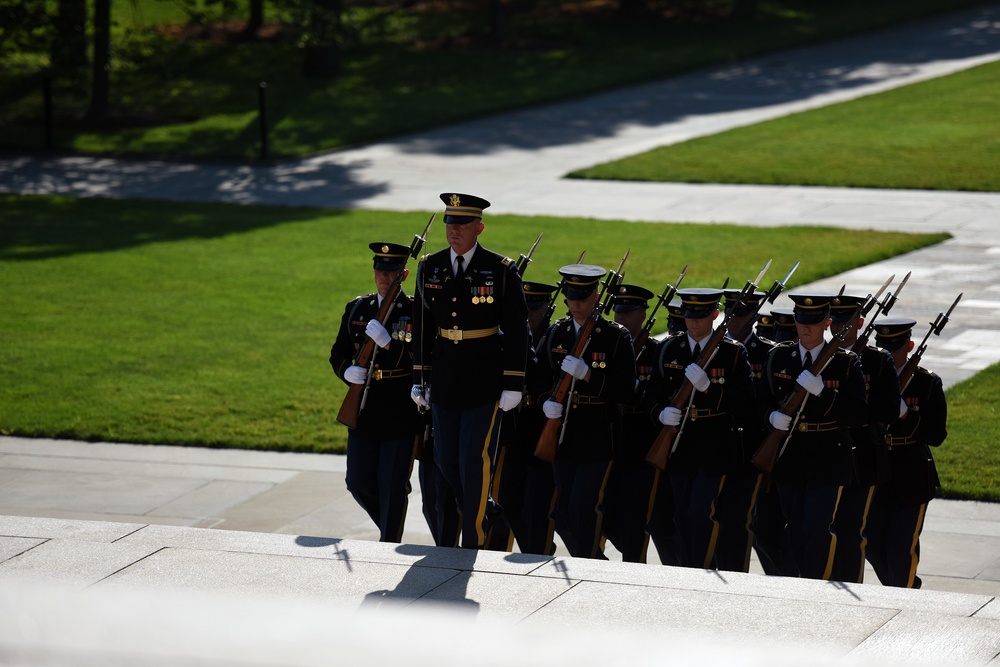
256,20
69,45
100,89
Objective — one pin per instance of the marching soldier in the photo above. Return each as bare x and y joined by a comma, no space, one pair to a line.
738,498
470,341
709,442
898,508
380,449
871,464
765,326
527,490
603,378
632,485
784,325
817,460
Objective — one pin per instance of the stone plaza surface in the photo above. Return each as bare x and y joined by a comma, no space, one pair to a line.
134,554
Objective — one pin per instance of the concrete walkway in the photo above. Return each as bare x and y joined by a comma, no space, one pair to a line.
165,555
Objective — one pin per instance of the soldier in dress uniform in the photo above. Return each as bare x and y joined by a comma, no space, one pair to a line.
528,490
470,347
632,486
739,496
709,446
898,508
380,450
817,460
871,463
603,379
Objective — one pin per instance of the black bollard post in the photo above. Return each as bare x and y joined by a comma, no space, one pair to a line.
47,110
261,95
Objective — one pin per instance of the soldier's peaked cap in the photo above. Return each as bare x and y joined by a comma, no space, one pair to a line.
631,297
462,209
580,280
537,294
389,256
811,308
893,333
699,302
749,304
842,307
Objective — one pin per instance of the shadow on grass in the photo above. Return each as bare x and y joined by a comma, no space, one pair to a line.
41,228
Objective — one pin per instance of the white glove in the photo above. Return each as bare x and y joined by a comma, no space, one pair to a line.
356,374
418,396
811,383
509,399
698,377
670,416
902,408
377,333
552,409
780,420
575,366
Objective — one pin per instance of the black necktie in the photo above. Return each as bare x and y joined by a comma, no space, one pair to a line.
460,272
807,361
696,352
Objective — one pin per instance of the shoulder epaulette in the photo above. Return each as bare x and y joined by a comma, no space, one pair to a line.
423,258
507,261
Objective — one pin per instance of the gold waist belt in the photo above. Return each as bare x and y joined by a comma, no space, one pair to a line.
893,442
816,427
391,374
467,334
703,413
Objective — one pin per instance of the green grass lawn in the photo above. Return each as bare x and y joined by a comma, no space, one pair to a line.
968,462
211,324
403,70
942,134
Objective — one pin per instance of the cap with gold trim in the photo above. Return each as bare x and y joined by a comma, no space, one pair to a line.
784,325
811,308
842,307
538,295
580,280
699,302
749,303
631,297
462,209
893,333
765,325
675,316
389,256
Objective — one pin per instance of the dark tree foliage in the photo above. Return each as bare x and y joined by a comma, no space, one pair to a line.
25,25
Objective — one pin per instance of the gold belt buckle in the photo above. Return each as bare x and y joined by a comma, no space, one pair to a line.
377,375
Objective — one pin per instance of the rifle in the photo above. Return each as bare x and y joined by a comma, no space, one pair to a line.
668,294
883,309
522,262
548,441
769,296
906,374
670,435
776,440
357,394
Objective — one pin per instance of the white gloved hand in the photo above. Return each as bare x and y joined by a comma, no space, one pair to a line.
552,409
780,420
356,374
509,399
377,333
419,397
811,383
902,408
670,416
698,377
575,366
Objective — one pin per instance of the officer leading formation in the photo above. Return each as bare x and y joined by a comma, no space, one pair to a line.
790,433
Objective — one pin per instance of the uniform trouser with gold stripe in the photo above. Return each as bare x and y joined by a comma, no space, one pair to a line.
735,514
850,528
465,441
894,541
378,476
810,511
629,504
580,505
440,508
695,498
